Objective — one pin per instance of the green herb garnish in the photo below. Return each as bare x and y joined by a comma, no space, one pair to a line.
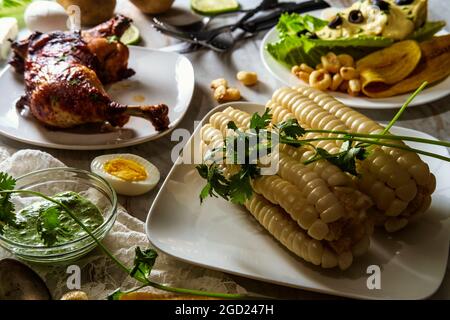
346,159
258,122
143,263
49,226
217,185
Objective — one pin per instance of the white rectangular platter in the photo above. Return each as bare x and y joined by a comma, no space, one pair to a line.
223,236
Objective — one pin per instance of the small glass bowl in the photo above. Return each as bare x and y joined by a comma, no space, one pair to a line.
50,182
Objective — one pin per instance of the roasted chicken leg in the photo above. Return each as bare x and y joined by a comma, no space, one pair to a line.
65,72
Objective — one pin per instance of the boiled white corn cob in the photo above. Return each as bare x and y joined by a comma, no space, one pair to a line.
220,120
329,172
374,168
409,161
307,112
241,118
211,139
359,123
292,237
286,195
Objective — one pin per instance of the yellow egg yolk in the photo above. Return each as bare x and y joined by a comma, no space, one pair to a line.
125,169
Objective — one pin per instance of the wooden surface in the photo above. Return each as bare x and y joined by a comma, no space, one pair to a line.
433,118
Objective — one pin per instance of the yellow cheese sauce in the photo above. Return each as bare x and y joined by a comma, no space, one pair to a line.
125,169
397,23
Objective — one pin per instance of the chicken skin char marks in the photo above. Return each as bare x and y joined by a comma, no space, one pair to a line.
64,74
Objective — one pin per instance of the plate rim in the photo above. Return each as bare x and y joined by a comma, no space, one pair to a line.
131,142
328,291
386,105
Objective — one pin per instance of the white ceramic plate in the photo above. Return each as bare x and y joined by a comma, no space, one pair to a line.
284,75
223,236
161,77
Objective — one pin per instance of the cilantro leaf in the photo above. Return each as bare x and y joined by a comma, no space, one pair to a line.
216,184
345,160
240,185
7,212
258,122
290,131
206,191
202,170
240,189
143,263
49,226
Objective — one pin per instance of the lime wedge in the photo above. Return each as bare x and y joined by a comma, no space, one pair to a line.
130,36
212,7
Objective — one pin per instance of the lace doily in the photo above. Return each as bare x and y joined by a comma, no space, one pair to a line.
100,275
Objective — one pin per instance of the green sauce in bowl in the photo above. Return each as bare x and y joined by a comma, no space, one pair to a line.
31,220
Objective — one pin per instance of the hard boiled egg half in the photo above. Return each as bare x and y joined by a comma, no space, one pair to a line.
129,174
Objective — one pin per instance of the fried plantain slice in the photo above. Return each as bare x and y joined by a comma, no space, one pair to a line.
433,66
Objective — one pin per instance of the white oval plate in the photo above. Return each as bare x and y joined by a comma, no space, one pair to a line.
284,75
161,77
225,237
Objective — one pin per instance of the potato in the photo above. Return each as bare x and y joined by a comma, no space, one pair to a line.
92,12
153,6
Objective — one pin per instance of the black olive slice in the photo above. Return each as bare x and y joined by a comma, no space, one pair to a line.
336,22
403,2
383,5
355,16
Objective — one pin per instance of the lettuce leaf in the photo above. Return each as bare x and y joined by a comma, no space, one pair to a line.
293,50
427,31
297,43
292,24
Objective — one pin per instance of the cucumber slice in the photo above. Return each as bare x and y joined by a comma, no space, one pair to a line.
212,7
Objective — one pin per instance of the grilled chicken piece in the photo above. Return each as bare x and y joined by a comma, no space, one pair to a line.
64,75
